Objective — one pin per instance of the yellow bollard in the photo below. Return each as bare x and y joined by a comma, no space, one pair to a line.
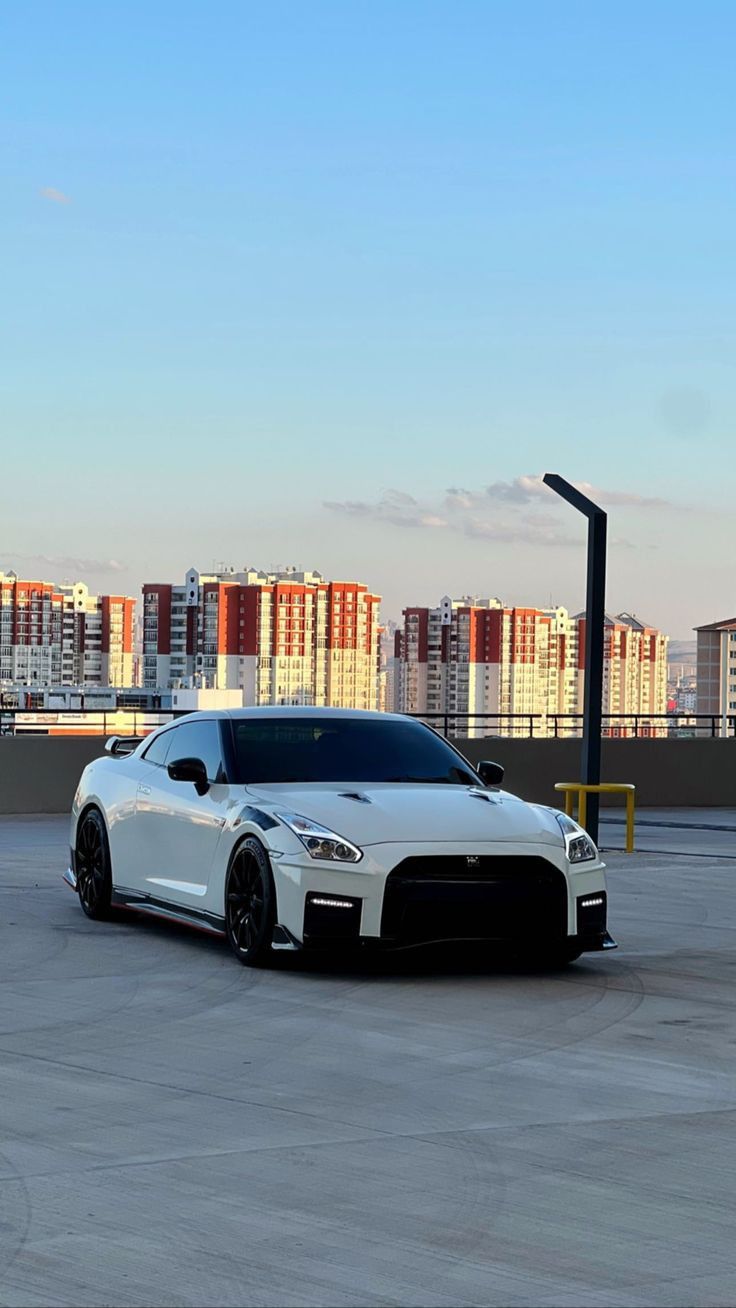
630,821
626,788
583,807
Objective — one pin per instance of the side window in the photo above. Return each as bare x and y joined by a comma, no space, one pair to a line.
198,740
158,749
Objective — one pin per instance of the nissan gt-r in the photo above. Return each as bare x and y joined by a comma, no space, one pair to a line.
307,828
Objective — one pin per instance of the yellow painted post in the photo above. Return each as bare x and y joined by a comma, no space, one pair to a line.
571,788
629,821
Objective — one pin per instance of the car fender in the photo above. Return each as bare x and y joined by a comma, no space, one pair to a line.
108,785
249,820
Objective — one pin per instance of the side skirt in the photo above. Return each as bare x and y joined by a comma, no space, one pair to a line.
139,902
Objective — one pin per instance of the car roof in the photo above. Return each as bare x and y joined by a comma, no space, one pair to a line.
291,711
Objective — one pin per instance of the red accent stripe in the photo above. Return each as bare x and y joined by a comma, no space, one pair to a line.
164,916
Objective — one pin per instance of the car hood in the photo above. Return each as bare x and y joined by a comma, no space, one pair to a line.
406,813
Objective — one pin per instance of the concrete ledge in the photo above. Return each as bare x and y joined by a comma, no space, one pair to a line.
39,774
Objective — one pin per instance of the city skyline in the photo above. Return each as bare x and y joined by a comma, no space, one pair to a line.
83,570
254,576
480,656
66,570
295,637
223,571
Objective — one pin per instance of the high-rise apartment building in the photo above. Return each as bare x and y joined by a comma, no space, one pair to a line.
387,668
475,656
634,673
716,669
478,657
282,638
62,636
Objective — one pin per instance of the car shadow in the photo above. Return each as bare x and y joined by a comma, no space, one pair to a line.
166,929
423,961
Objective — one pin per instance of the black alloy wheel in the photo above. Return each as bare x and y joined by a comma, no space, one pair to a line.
92,866
250,904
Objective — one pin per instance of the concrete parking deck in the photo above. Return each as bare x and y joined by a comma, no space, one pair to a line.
179,1131
679,831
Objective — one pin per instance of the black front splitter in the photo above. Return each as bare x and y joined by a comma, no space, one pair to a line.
382,944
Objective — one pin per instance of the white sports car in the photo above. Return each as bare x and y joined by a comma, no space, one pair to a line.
290,828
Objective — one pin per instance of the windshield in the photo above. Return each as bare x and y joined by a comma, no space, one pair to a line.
273,750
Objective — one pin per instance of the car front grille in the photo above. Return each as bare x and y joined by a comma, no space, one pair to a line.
454,897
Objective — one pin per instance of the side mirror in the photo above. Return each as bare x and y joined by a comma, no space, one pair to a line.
491,774
190,769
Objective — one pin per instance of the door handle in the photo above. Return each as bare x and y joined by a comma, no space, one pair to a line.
144,790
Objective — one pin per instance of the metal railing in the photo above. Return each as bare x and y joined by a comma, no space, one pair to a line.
637,726
139,721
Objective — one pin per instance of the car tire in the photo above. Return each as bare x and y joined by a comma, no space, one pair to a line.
92,866
250,904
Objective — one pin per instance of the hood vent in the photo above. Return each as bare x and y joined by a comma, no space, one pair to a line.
354,794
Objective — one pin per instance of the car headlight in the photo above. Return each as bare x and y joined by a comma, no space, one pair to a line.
579,846
319,841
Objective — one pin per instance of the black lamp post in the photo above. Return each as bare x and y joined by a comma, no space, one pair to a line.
595,605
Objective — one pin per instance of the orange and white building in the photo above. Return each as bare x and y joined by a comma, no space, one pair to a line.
475,657
281,638
634,674
63,636
716,670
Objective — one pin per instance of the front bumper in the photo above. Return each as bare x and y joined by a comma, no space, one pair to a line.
400,896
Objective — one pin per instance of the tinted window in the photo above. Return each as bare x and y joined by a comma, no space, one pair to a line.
158,749
198,740
344,749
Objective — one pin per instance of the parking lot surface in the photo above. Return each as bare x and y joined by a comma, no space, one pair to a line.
414,1130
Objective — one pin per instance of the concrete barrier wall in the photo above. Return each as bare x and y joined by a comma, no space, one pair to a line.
667,773
39,774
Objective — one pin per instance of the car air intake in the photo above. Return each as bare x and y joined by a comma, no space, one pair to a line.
329,919
470,897
591,913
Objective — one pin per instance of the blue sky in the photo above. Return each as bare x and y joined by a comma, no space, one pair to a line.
260,259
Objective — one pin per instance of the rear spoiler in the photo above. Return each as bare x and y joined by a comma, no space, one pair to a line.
119,745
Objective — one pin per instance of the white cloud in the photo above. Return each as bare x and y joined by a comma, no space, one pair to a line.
57,197
524,490
521,511
68,565
463,512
